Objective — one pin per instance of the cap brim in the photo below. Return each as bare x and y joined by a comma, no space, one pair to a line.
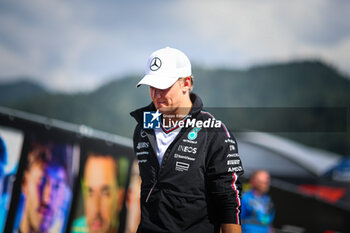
158,81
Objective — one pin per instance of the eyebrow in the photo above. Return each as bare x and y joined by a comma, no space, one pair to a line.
104,188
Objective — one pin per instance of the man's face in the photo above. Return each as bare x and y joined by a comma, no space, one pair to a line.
168,100
44,190
261,182
133,200
101,194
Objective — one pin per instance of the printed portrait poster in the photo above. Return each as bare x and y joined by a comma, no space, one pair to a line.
133,210
11,142
47,185
103,178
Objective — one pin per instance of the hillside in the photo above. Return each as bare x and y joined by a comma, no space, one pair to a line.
297,84
16,92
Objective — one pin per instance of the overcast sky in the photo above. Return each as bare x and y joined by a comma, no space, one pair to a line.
79,45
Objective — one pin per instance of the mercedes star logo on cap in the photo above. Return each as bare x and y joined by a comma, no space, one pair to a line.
156,63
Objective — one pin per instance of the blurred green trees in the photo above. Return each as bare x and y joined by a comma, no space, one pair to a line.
295,84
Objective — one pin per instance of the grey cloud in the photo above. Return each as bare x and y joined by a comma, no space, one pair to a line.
69,44
322,23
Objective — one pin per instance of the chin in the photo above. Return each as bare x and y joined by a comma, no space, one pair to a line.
165,109
161,109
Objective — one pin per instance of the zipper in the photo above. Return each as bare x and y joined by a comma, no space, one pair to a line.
149,194
167,152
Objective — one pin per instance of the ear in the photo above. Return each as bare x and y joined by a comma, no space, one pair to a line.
83,187
186,85
25,183
120,193
252,182
187,82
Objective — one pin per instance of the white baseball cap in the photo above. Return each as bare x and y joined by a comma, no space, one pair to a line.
165,67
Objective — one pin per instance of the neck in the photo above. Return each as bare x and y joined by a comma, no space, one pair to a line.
24,226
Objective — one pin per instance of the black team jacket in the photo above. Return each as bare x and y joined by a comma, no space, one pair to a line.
196,188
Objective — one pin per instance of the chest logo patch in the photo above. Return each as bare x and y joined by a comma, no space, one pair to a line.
193,133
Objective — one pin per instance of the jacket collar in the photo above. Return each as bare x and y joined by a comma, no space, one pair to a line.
197,106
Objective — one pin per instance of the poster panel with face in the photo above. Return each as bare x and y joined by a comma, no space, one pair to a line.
133,210
100,198
51,167
11,142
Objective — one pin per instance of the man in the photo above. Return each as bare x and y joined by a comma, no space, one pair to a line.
189,165
133,200
43,186
102,195
257,207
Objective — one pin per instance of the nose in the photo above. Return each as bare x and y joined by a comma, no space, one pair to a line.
96,205
47,194
156,92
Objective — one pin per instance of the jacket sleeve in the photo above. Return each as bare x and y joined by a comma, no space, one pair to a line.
136,137
223,170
